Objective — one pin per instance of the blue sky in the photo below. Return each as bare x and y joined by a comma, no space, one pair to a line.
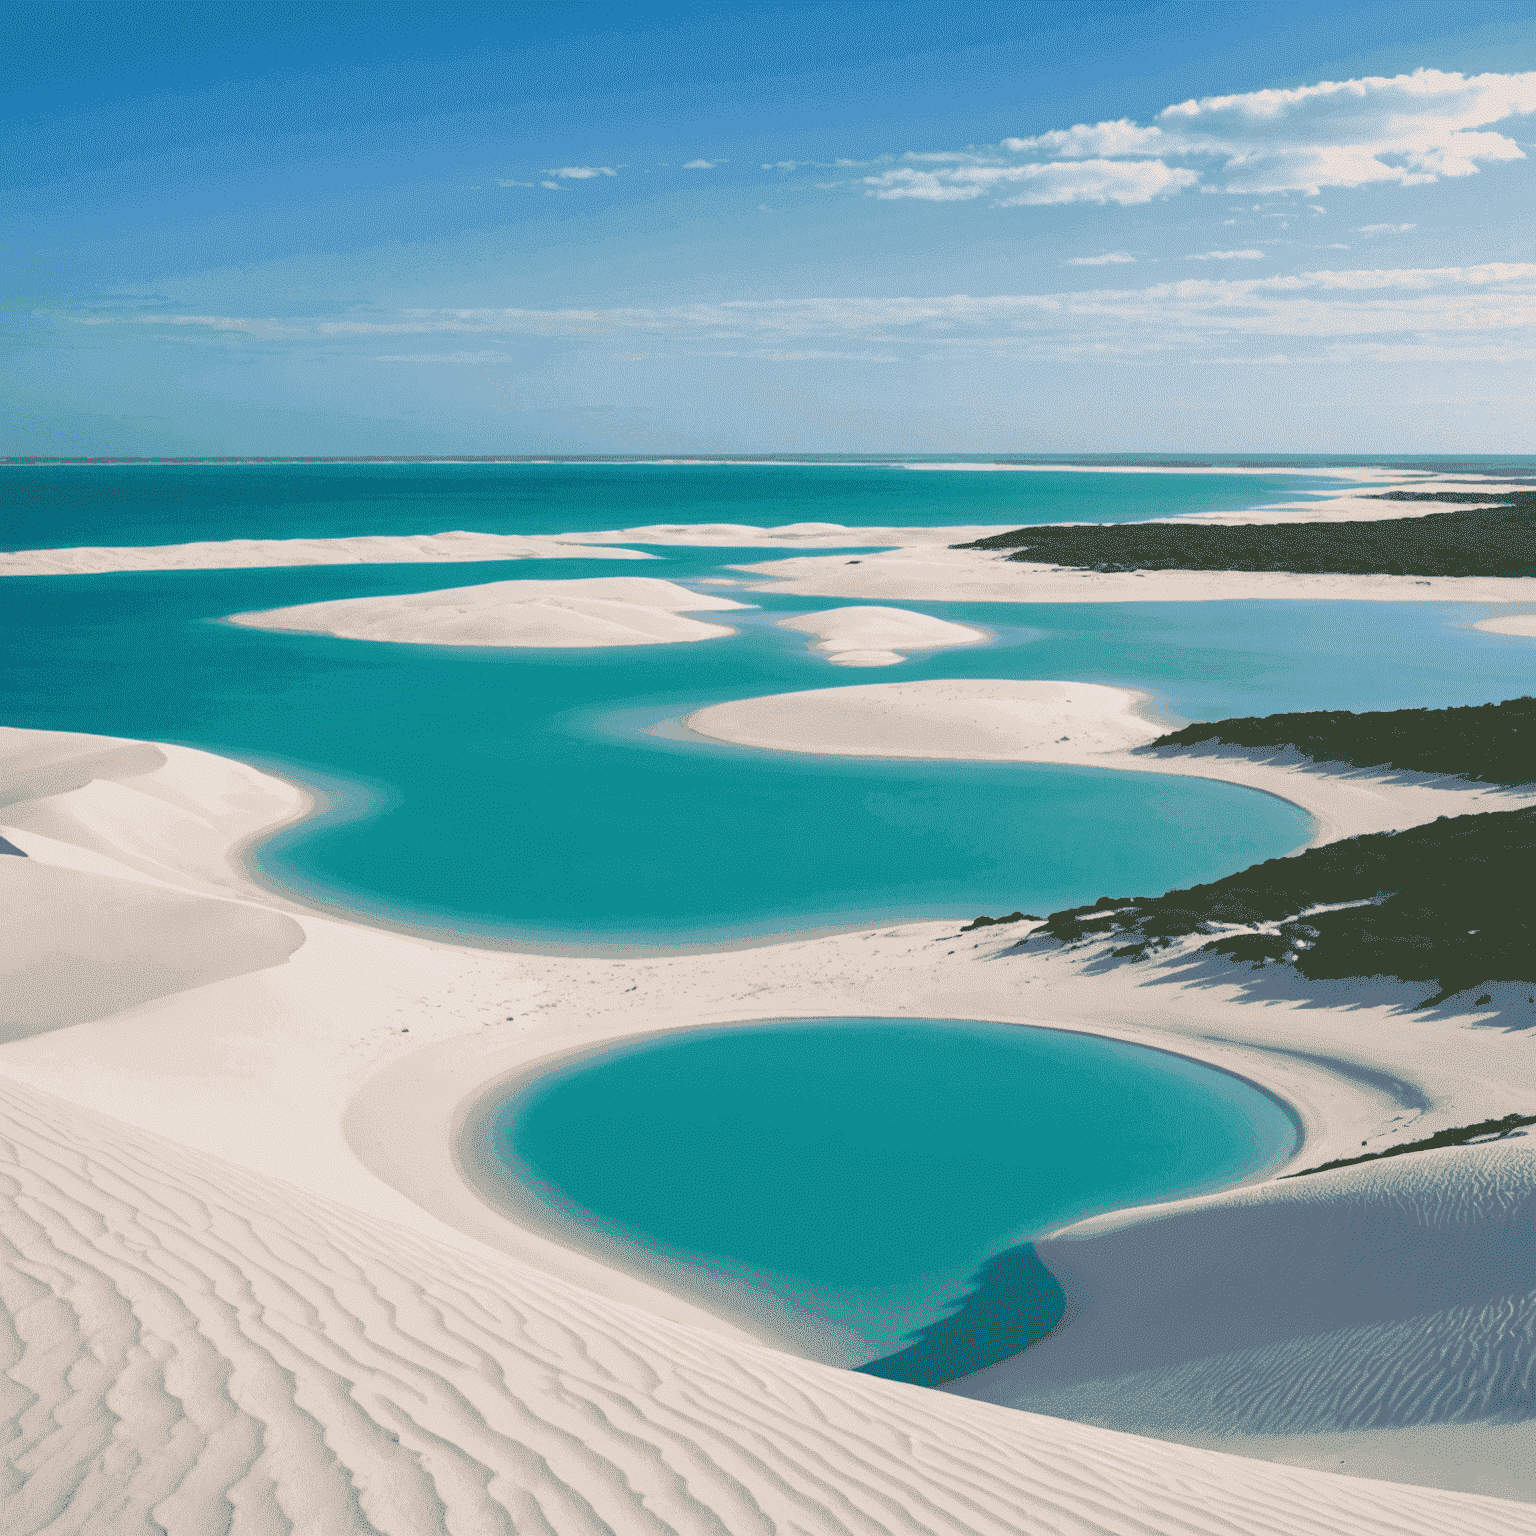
331,228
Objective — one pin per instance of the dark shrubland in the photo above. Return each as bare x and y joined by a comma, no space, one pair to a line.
1491,742
1497,541
1448,904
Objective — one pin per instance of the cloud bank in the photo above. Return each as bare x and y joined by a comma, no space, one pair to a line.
1405,130
1472,313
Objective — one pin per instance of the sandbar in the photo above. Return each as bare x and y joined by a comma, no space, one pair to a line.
240,554
879,637
1522,625
600,611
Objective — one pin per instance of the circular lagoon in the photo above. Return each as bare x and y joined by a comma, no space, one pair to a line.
865,1191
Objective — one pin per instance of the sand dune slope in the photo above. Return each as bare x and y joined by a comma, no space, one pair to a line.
1391,1296
194,1348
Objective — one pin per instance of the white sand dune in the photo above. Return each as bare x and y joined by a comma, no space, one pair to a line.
603,610
244,1286
879,637
201,1349
934,573
1519,624
1222,1321
236,554
1086,724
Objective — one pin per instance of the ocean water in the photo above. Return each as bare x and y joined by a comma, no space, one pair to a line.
867,1190
57,506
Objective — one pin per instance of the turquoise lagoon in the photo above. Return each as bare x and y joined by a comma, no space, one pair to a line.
866,1190
882,1171
517,797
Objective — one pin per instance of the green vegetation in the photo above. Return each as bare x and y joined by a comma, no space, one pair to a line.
992,922
1492,742
1449,903
1498,541
1456,1136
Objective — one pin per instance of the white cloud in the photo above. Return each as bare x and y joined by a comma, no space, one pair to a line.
703,165
1066,181
554,186
581,172
1404,130
1385,229
1407,129
1228,256
1090,143
1108,259
501,183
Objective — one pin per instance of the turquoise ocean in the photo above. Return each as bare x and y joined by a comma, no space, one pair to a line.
520,798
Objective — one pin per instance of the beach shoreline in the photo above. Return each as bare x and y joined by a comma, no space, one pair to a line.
999,720
329,1097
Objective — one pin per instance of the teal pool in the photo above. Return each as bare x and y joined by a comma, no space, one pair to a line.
866,1191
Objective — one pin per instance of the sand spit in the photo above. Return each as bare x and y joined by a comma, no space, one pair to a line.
385,549
236,554
789,535
879,637
603,610
1519,624
247,1284
935,574
1088,725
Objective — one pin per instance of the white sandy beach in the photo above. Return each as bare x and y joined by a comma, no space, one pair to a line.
936,573
249,1282
1090,725
602,610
